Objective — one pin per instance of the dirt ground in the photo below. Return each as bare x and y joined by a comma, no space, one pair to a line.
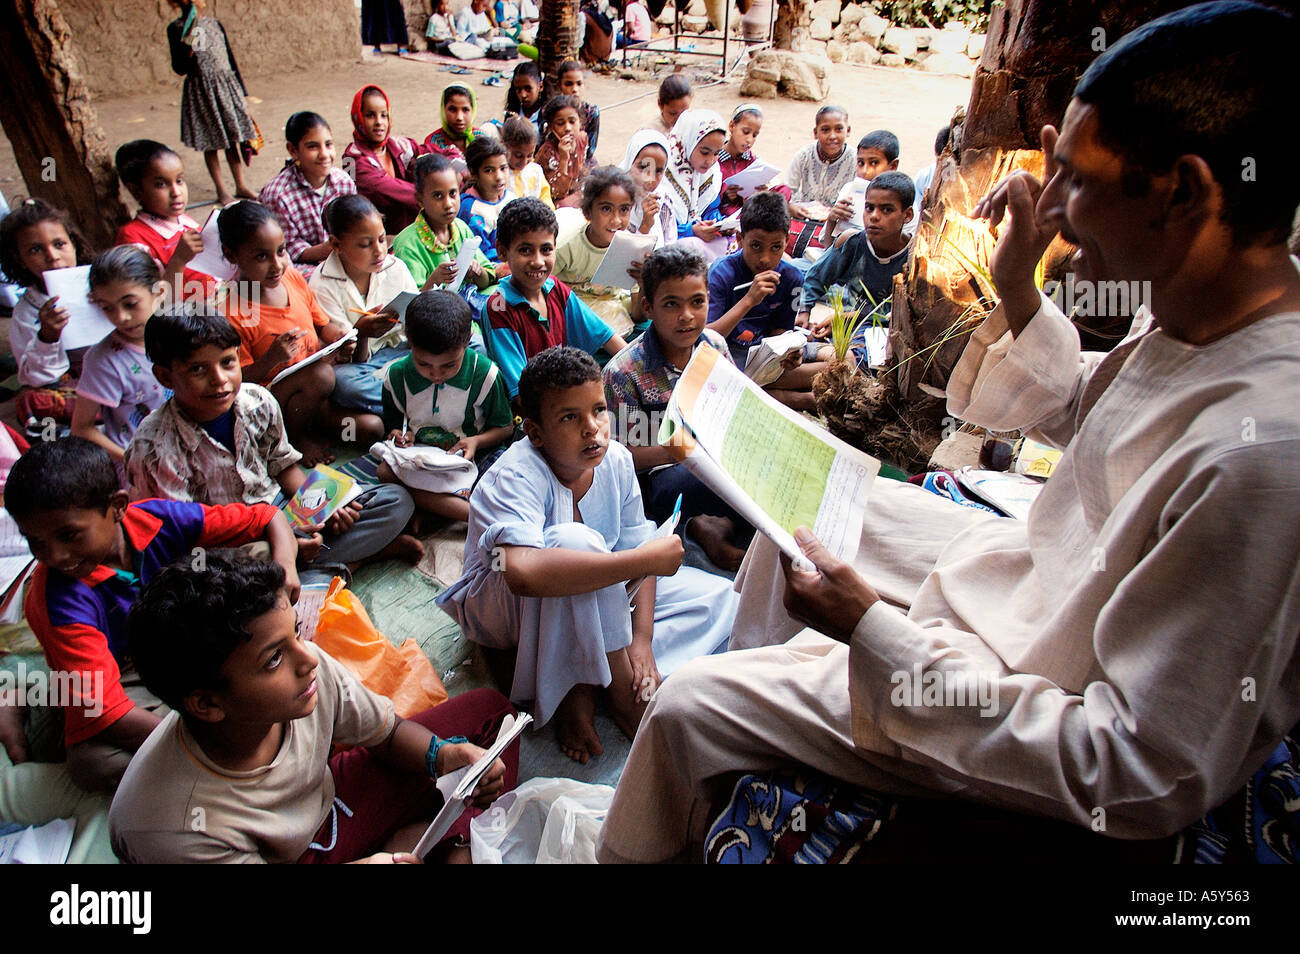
910,103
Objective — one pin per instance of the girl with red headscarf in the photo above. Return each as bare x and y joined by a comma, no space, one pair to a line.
381,163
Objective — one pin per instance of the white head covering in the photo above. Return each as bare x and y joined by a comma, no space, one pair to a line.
692,192
641,140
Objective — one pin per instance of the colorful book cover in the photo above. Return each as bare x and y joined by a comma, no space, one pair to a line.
324,491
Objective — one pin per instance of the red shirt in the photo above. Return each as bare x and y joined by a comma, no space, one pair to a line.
144,232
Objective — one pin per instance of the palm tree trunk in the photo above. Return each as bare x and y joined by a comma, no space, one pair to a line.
557,37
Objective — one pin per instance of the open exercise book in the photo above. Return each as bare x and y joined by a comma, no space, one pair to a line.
778,469
457,787
323,352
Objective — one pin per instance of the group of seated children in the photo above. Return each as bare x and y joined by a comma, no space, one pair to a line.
187,436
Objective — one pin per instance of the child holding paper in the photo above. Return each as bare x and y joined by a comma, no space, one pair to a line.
352,286
218,440
556,530
607,203
639,382
155,177
280,324
443,395
431,244
645,160
737,154
35,238
117,382
256,710
877,153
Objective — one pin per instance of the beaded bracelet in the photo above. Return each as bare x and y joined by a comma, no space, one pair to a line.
431,756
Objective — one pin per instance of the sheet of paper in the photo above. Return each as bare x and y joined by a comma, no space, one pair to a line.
323,352
47,845
877,342
665,528
463,259
777,468
757,173
311,599
730,224
210,261
763,362
456,787
858,197
626,248
399,305
87,325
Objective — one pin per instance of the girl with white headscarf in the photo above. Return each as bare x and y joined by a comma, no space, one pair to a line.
694,180
645,160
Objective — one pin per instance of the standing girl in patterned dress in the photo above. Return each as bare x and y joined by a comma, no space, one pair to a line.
214,118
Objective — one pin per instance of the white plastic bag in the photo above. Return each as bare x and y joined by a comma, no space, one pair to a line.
543,821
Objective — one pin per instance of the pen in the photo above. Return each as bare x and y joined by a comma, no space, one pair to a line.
742,287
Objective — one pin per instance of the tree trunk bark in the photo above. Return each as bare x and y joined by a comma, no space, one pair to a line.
1035,53
47,114
557,37
793,24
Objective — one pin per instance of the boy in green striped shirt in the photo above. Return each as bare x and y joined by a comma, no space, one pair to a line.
444,395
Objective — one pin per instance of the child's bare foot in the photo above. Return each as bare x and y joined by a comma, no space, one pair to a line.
628,698
313,452
713,534
405,548
225,198
246,193
575,725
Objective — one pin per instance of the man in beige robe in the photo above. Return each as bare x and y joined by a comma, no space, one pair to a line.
1125,658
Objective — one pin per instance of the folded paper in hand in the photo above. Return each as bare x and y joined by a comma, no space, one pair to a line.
763,362
457,787
87,323
210,261
757,173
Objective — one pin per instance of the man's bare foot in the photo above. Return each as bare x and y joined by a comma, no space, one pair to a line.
313,452
713,534
575,725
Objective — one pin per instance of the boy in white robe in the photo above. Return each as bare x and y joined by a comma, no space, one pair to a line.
556,532
1127,654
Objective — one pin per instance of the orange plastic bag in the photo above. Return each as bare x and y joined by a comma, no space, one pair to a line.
402,673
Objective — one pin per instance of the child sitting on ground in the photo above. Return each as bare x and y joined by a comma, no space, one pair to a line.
754,293
299,192
487,195
444,395
737,153
439,31
381,162
556,530
531,310
695,181
452,138
572,81
116,378
35,238
526,177
473,24
645,160
561,154
351,287
877,153
815,176
640,379
870,258
675,97
155,177
255,711
280,324
430,245
95,549
607,202
218,440
524,98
